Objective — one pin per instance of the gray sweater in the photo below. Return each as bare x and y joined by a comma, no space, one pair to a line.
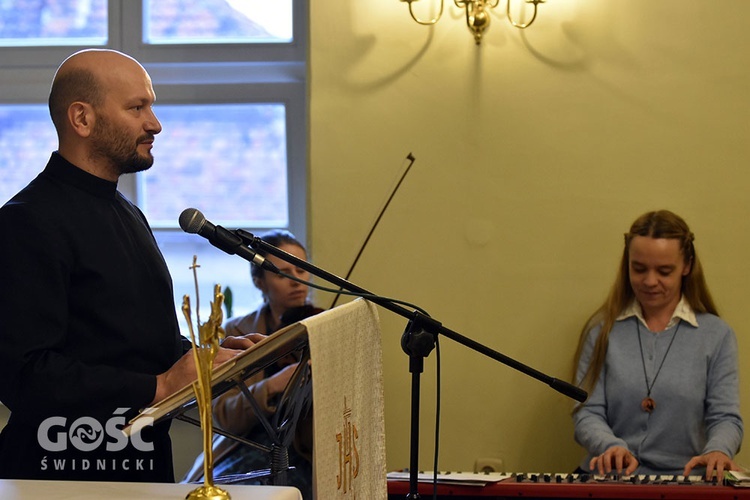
696,394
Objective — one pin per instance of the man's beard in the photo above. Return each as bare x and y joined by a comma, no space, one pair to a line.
115,147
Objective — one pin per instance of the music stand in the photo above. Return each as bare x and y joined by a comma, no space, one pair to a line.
280,427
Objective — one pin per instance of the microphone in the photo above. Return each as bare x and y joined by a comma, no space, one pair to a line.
194,222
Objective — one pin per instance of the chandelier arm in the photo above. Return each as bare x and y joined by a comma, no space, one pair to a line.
526,25
420,21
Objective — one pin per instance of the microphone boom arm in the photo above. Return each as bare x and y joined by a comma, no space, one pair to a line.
425,322
418,340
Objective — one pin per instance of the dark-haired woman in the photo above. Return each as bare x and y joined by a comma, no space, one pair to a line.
285,301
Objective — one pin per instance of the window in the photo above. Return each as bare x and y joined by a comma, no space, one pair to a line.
230,21
229,76
230,155
34,23
26,138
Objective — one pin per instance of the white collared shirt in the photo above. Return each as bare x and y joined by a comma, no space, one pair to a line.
683,311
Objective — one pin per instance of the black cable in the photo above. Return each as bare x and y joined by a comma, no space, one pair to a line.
437,417
354,294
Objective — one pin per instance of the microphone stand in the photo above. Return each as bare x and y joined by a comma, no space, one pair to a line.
417,342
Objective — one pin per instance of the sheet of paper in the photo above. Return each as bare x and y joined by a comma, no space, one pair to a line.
463,478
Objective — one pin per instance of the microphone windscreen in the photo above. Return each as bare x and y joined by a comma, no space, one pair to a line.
191,220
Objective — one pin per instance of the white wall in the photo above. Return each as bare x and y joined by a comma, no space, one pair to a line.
534,153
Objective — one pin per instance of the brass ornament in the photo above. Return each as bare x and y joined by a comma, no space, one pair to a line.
204,350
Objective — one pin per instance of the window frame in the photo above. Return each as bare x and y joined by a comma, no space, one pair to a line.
125,16
193,74
239,73
290,95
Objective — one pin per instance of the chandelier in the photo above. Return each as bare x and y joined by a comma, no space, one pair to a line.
477,14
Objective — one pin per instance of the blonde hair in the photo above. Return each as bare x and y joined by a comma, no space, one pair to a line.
658,224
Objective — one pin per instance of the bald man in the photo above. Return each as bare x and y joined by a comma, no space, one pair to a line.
88,330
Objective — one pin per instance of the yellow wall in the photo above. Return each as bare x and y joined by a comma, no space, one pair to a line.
534,153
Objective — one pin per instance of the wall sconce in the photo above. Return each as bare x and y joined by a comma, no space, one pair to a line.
477,14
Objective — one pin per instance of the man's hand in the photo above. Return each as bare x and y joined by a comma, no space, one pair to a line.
243,341
183,372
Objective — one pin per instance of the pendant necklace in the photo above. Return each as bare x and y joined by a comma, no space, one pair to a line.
648,404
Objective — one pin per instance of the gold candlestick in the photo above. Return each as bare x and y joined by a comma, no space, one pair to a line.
204,351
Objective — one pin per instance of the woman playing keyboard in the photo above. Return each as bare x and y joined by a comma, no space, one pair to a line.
659,364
